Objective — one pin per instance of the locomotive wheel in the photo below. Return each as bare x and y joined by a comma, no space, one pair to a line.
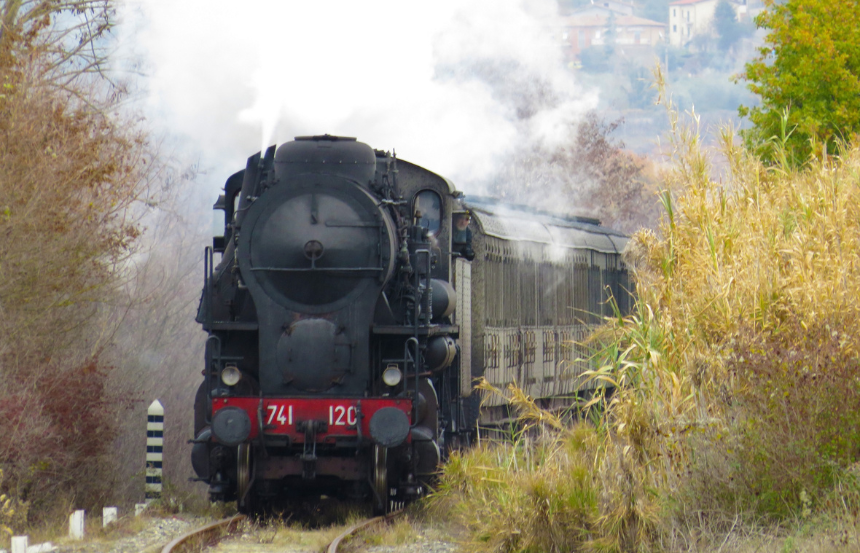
243,477
380,480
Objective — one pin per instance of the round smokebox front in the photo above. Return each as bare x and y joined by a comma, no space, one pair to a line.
313,248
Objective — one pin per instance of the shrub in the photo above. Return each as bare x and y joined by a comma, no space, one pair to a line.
735,378
550,487
737,374
13,512
792,427
537,494
71,175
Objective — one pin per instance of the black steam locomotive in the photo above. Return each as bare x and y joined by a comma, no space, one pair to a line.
356,299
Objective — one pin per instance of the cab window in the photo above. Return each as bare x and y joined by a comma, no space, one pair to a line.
427,208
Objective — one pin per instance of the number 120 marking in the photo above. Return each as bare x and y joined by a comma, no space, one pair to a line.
338,415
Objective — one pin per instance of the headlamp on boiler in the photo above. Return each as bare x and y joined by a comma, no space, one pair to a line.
392,375
231,375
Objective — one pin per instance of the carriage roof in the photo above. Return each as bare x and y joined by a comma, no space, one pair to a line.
522,223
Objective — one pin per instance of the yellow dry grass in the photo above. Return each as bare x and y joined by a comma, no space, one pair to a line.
737,392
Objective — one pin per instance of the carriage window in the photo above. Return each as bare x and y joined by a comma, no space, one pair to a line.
428,210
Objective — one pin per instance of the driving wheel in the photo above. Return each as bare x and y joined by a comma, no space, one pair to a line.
380,479
243,476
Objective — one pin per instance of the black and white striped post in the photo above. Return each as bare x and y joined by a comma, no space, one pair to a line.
154,450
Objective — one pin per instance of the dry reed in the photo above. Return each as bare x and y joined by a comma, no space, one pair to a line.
735,378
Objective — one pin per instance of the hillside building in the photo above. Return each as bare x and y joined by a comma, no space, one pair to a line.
691,18
583,30
605,7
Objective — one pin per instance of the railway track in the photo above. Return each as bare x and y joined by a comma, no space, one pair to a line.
210,534
204,535
355,528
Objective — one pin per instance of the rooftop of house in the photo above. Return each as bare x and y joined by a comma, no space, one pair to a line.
687,2
600,3
595,20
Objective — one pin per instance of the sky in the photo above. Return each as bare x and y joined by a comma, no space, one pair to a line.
454,86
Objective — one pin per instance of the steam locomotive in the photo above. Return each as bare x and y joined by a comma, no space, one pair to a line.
356,299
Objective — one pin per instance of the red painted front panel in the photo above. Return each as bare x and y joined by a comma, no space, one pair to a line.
281,415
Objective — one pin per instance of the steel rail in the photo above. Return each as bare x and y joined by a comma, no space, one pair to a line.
355,528
228,524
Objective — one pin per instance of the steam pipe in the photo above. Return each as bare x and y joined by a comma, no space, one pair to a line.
417,321
209,276
416,364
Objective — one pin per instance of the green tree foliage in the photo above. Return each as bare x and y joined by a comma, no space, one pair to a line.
600,58
729,30
596,59
655,10
809,68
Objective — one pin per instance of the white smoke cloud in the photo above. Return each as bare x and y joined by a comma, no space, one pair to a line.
453,86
